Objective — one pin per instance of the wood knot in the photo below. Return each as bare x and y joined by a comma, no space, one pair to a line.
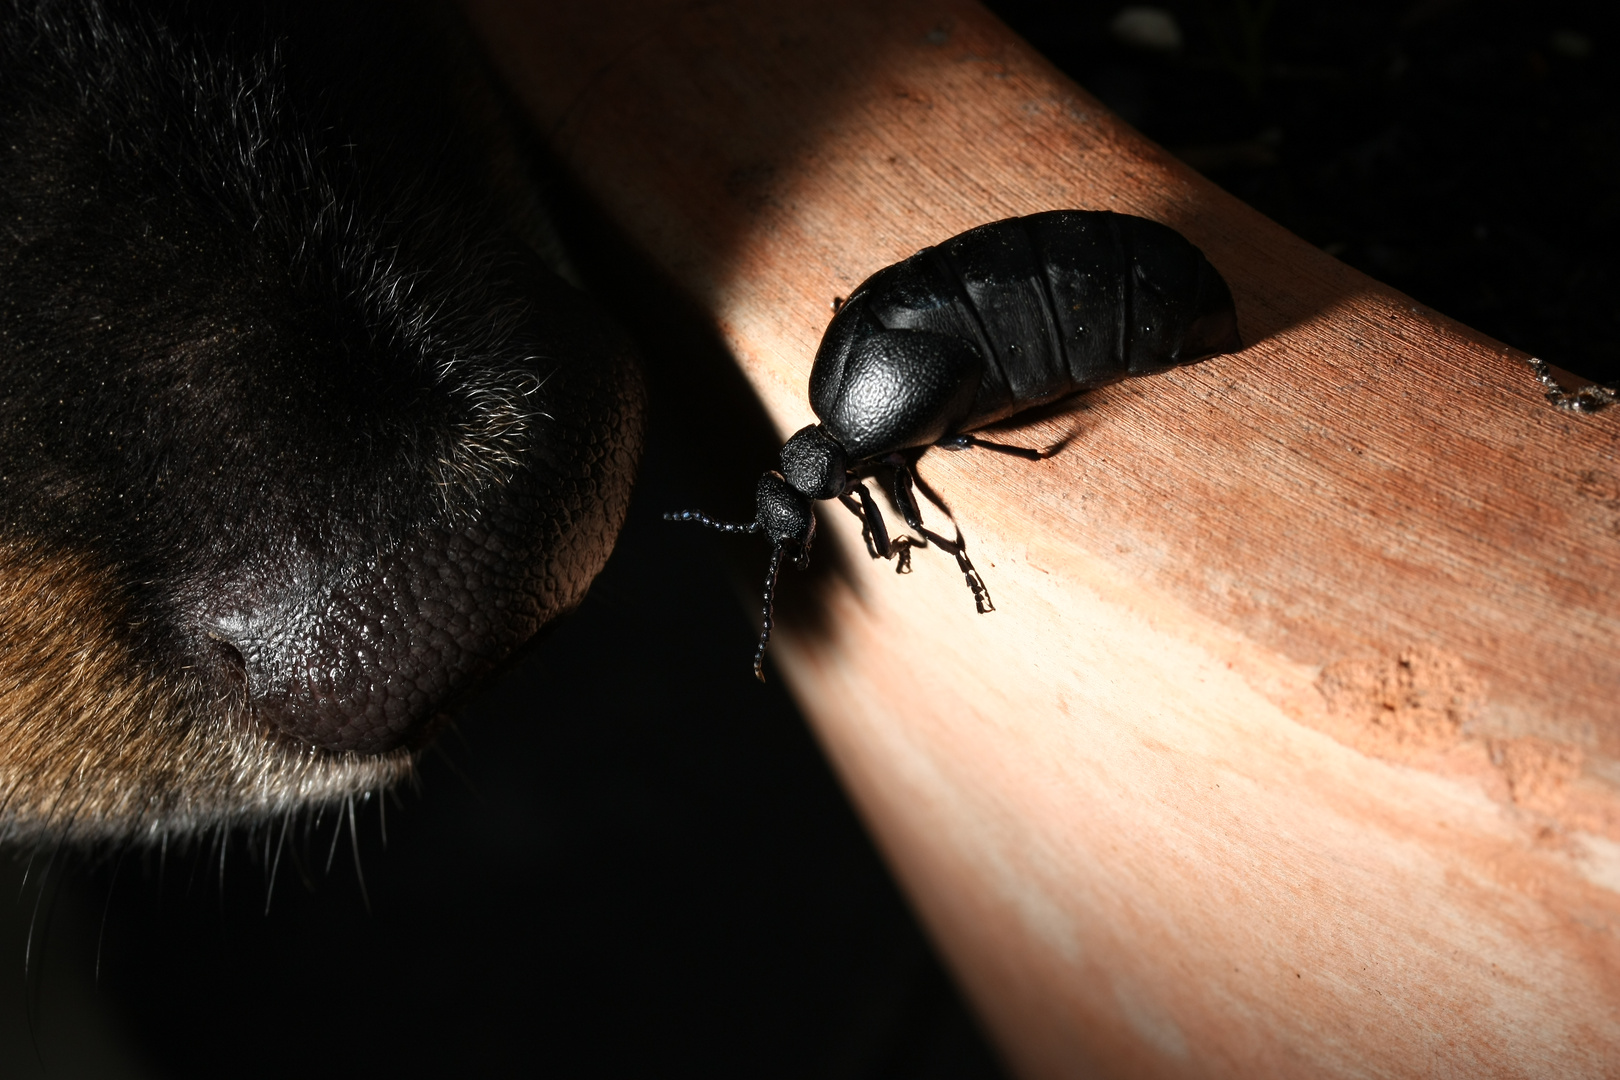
1417,700
1538,771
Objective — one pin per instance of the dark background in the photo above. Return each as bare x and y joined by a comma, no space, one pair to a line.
1464,151
629,859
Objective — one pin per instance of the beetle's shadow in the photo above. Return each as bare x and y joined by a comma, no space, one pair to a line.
708,435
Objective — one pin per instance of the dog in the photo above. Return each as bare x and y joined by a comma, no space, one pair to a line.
301,434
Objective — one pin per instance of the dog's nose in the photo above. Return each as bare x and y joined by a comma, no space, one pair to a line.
363,653
365,658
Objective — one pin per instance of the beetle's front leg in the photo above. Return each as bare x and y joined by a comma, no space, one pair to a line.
877,545
900,490
873,530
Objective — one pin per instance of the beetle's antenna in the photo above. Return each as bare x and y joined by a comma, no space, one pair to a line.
770,601
704,519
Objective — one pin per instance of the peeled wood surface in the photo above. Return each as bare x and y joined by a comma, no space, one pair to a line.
1291,747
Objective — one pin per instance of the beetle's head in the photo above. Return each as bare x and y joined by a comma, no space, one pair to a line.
785,515
788,517
814,463
782,512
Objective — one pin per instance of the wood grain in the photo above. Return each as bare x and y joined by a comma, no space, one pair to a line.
1292,746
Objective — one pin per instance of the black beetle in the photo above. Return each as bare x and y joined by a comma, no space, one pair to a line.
996,320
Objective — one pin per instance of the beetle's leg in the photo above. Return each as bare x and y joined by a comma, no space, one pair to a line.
931,495
965,442
854,507
975,583
897,548
873,530
900,489
903,480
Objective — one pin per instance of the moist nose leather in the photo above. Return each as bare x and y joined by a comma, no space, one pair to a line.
363,660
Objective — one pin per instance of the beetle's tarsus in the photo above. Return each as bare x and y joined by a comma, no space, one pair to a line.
981,593
902,554
975,583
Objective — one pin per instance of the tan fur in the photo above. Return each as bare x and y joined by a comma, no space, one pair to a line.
92,747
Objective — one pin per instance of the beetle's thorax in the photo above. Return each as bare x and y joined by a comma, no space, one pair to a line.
815,463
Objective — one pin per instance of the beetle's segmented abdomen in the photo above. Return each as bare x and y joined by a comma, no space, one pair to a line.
1127,293
998,272
1054,303
1178,309
1084,260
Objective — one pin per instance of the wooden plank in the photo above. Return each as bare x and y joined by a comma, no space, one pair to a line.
1291,747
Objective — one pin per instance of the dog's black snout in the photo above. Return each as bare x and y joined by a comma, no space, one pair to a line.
365,660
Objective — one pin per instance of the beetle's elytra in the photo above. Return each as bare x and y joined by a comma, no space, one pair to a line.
993,321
